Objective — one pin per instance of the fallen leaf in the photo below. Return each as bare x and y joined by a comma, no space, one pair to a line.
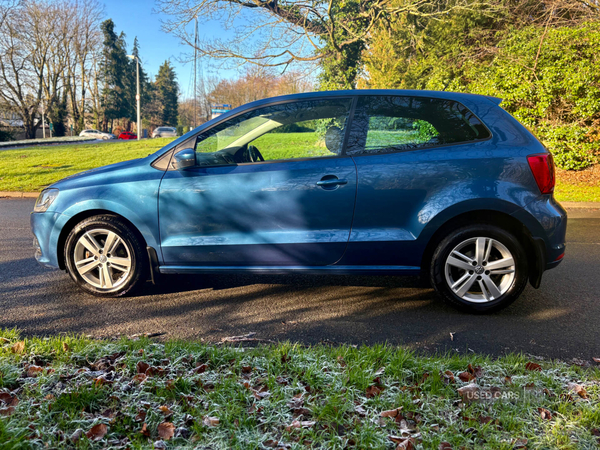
140,378
360,410
8,399
404,443
301,424
65,347
140,417
391,412
448,377
578,389
201,368
533,367
78,434
142,366
7,411
211,421
165,410
520,443
373,391
166,430
466,376
596,360
444,446
18,347
545,414
97,432
145,431
246,369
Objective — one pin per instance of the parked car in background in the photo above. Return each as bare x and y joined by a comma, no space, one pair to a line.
127,135
388,182
164,132
97,134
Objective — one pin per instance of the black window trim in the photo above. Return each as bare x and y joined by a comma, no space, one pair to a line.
424,147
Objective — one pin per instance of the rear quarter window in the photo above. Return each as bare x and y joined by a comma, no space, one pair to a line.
399,123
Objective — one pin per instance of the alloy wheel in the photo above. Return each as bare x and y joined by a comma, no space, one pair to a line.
480,269
102,259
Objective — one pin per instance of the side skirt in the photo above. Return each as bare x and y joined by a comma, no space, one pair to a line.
313,270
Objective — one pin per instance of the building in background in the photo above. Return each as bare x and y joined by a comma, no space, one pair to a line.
218,109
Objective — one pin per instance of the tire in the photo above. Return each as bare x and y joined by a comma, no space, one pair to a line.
464,280
115,271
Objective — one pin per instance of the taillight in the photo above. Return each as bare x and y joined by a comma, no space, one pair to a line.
542,167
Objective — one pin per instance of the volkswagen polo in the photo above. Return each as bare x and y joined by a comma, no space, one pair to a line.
388,182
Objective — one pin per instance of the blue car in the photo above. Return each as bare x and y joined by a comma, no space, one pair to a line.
387,182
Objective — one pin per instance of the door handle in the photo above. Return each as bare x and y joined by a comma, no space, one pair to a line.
332,182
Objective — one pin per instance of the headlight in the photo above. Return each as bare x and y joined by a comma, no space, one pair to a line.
45,199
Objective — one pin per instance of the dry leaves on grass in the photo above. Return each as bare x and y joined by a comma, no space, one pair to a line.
373,391
596,360
545,414
5,412
166,430
534,367
403,443
145,431
8,399
18,347
300,424
391,412
165,410
444,446
578,389
97,432
211,421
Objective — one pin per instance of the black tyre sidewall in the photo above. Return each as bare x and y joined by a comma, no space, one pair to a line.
136,250
438,261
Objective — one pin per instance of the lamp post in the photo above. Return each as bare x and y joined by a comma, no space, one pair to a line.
137,97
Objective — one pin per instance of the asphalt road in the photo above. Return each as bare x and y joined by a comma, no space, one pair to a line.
560,320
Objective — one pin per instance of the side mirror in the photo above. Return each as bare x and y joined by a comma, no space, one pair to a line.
185,158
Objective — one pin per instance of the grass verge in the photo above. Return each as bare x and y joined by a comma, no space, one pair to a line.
31,169
135,393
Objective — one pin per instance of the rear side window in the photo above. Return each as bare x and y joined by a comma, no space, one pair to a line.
393,123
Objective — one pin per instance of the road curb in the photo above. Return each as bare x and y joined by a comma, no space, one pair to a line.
566,205
19,194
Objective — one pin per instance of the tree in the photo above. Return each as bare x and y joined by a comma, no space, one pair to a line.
115,73
331,32
167,92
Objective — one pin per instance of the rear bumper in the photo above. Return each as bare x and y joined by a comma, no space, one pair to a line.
546,221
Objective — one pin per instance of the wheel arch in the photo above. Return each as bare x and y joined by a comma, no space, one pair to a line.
532,246
73,221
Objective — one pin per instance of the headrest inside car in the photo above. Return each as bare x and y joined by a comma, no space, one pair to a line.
333,139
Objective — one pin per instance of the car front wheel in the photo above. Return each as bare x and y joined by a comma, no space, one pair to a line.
479,268
105,257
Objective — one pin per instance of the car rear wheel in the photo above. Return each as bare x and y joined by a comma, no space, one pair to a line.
105,257
479,268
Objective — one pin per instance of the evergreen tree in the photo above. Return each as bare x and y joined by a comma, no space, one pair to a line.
167,91
115,69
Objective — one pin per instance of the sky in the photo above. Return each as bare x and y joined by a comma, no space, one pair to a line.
136,18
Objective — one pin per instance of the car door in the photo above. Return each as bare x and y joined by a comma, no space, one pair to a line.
407,150
294,208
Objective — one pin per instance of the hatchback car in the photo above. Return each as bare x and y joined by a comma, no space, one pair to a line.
164,132
127,135
444,185
97,134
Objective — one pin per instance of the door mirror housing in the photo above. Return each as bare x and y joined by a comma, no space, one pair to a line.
185,159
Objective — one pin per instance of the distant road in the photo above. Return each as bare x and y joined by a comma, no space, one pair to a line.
559,320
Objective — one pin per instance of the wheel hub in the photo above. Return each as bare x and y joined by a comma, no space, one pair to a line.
479,270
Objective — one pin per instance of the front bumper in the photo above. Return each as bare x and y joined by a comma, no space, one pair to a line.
46,228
